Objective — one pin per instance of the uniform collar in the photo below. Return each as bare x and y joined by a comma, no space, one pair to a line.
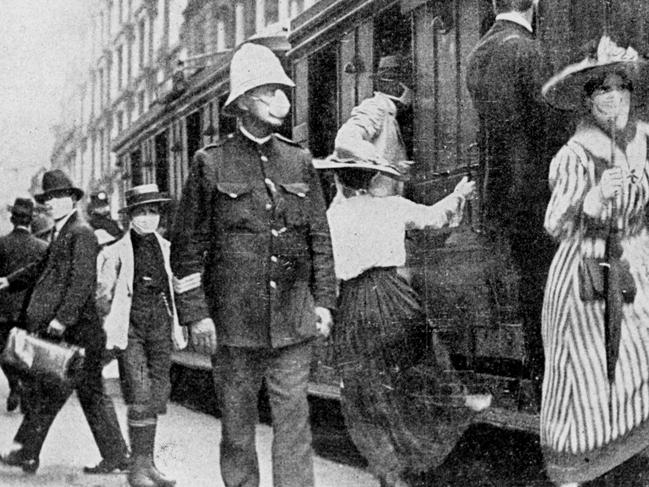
516,18
256,140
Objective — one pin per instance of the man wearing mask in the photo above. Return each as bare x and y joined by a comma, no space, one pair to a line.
372,133
17,249
252,221
505,72
62,305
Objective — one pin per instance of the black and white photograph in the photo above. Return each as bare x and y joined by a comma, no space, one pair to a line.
324,243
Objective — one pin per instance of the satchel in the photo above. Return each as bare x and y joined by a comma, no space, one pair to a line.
592,278
44,359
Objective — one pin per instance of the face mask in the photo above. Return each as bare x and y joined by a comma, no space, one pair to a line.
60,207
406,96
278,105
145,223
612,106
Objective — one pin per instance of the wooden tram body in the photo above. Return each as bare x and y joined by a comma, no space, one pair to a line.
334,47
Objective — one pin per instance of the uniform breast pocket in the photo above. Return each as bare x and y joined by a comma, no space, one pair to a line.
235,203
297,203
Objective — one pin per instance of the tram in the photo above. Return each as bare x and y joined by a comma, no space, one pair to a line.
469,290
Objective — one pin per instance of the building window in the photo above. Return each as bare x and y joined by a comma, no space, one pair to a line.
141,29
140,102
120,121
101,88
271,11
120,67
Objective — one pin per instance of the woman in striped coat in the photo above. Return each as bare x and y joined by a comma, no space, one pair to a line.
595,411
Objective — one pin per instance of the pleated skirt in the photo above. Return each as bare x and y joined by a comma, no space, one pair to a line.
403,402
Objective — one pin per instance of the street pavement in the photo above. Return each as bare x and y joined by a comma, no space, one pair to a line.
187,448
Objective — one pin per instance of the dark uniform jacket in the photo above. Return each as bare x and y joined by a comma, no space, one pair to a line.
64,286
505,73
253,218
17,249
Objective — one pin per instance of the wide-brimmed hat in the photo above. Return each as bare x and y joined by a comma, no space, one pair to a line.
341,160
565,90
54,181
22,207
254,65
144,194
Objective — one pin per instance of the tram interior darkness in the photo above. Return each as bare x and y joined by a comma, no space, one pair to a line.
162,161
194,135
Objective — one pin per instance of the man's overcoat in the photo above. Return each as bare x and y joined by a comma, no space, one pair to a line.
64,286
252,216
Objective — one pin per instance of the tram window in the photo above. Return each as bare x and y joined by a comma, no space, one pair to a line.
323,117
162,161
393,35
136,168
194,136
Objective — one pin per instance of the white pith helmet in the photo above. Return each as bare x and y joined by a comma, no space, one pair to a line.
254,65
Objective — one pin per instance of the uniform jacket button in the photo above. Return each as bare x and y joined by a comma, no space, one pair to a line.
274,232
264,159
273,258
273,284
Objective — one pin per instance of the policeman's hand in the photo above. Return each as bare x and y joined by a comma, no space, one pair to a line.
324,321
203,333
611,182
187,283
465,188
55,328
4,283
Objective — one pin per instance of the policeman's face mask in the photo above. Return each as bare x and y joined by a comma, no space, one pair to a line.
60,206
276,104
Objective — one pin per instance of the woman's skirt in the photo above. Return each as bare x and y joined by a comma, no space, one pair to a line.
403,402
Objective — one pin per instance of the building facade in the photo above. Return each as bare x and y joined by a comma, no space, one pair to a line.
140,60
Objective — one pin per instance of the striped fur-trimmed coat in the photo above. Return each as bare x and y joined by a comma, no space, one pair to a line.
589,426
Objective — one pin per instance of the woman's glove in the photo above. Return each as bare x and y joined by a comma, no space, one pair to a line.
465,188
611,183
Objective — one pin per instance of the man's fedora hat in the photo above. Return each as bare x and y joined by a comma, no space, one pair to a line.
390,67
57,181
22,207
565,90
144,194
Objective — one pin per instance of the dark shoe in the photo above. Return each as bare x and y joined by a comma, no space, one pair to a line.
13,401
160,478
16,458
140,473
109,466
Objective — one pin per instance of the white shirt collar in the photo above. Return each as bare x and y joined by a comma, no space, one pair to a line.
517,18
59,225
257,140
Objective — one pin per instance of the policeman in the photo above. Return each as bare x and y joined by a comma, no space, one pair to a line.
253,222
106,229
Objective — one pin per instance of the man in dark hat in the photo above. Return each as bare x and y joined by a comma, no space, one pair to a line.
373,131
17,249
62,305
252,221
106,229
505,72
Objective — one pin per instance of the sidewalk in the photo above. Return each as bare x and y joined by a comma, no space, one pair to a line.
187,448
